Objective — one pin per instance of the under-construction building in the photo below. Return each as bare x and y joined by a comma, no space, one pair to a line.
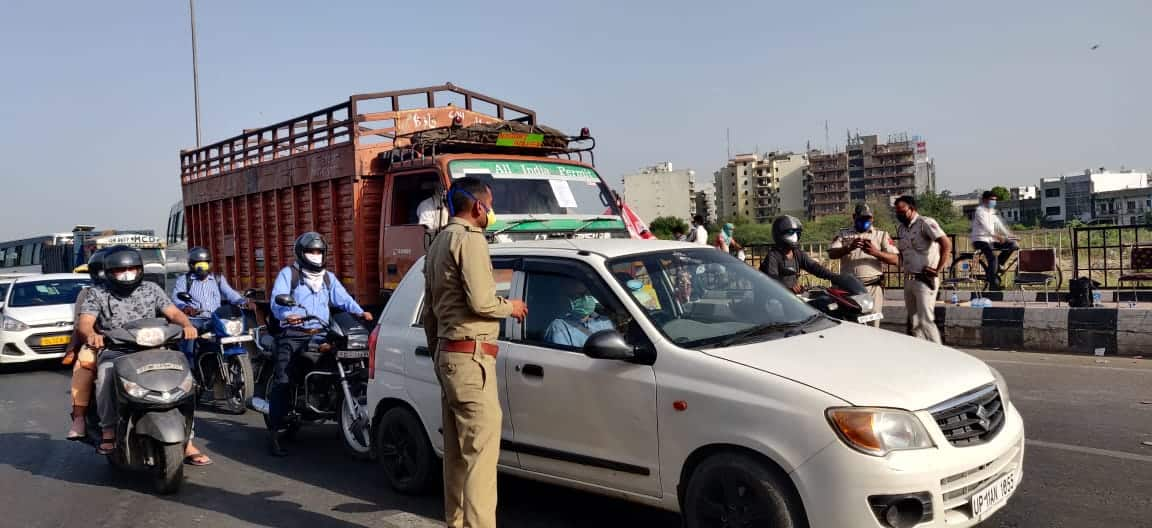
867,171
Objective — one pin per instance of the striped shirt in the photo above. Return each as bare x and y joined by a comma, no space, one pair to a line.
206,292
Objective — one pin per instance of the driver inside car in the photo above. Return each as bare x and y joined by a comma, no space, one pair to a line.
573,328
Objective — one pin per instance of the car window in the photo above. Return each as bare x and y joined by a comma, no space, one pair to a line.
503,278
44,293
4,290
563,310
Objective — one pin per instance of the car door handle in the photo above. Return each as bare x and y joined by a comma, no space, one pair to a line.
423,351
535,371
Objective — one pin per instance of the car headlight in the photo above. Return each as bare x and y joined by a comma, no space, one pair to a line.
879,431
233,328
1001,386
151,337
865,301
12,325
134,389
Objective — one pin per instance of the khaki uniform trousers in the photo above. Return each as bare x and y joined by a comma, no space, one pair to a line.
920,301
877,293
472,421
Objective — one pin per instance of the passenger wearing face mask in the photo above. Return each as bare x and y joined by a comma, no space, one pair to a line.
924,250
863,251
431,212
573,328
989,236
315,290
785,260
207,290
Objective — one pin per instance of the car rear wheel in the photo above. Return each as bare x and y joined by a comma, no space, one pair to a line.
732,490
404,452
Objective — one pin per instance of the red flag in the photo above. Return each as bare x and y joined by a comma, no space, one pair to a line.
636,226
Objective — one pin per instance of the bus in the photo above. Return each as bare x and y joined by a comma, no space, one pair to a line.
176,259
25,256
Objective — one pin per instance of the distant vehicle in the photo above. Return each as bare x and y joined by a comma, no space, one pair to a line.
176,254
25,256
37,315
729,400
63,258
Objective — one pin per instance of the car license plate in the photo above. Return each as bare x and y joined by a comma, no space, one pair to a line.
55,340
235,339
869,318
990,499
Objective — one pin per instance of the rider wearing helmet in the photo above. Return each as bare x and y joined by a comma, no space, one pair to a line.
314,289
207,290
785,260
82,358
121,298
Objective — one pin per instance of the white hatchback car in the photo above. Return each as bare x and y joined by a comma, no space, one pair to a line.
37,315
699,385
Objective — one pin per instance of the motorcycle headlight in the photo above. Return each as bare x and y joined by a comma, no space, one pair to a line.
133,389
150,337
1001,386
233,328
878,431
12,325
865,301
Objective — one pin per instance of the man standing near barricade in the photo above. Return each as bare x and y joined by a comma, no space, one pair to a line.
462,317
925,250
863,251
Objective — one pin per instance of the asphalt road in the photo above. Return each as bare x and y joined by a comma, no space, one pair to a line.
1085,465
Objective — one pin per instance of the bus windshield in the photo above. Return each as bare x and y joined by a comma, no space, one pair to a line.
540,188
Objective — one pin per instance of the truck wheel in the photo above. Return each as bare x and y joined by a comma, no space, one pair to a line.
404,452
168,468
731,489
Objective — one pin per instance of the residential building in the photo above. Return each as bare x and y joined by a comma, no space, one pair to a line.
660,190
761,187
1123,206
871,171
1025,192
826,183
1071,196
704,202
733,187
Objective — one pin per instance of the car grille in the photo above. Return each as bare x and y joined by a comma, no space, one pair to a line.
33,342
971,419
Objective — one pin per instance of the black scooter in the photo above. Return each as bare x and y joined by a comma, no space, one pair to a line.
329,380
847,299
155,402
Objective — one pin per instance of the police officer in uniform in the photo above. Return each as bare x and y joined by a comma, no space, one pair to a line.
462,317
925,250
863,250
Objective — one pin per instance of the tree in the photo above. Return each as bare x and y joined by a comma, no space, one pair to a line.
663,226
1002,193
936,205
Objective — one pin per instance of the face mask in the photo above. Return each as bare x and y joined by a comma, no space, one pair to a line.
863,225
314,259
489,218
792,239
991,204
584,305
904,219
127,275
201,269
635,285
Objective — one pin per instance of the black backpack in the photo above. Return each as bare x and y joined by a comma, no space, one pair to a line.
1080,292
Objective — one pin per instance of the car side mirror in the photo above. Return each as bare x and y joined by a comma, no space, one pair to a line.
609,344
285,300
184,296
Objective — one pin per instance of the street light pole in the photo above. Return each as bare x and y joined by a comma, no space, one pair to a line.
195,73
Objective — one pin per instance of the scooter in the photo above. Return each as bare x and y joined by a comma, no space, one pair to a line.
329,380
221,363
847,299
155,402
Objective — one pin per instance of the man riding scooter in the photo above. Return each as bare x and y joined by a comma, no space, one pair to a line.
314,289
123,298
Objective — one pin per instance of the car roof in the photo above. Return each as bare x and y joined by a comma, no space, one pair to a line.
50,276
608,248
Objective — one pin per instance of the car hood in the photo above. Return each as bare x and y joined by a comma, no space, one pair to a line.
41,315
866,366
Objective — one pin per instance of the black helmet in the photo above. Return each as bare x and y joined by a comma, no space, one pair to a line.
198,254
96,266
310,241
784,226
118,258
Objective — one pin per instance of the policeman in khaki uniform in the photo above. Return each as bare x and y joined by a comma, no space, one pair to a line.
462,317
925,251
863,251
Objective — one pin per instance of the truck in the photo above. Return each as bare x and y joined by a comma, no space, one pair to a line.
357,171
63,257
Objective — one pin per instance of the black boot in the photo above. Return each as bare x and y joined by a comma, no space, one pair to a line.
274,447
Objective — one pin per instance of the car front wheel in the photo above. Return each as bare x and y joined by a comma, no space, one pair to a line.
732,490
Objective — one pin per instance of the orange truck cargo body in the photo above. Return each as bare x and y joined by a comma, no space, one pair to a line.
248,198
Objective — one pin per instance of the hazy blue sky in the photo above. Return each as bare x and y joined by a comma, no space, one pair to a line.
96,97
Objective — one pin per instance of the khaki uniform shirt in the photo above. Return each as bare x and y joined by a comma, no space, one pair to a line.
858,263
460,301
918,246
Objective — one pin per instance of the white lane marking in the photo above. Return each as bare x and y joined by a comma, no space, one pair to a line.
1035,364
1092,451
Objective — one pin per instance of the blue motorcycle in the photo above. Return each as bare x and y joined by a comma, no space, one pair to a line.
221,363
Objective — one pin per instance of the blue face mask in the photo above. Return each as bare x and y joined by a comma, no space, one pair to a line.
863,225
584,305
991,204
634,285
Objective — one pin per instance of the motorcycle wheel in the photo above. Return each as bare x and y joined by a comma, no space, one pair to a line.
240,396
357,444
168,469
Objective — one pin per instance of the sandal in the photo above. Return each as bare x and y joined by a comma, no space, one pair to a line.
73,434
199,459
107,446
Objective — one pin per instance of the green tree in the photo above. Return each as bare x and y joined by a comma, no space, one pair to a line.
1002,193
938,206
664,226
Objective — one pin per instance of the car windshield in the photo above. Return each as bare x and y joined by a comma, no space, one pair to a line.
703,297
44,293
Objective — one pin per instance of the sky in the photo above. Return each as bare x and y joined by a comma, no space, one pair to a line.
96,99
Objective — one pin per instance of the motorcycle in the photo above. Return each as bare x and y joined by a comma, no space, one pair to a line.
329,380
221,363
155,402
847,299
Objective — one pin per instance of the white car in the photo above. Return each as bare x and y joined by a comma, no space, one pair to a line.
37,315
701,386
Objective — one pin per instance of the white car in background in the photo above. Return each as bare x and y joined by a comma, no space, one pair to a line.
702,386
37,315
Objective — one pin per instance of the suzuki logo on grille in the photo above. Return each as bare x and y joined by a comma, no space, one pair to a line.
982,414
